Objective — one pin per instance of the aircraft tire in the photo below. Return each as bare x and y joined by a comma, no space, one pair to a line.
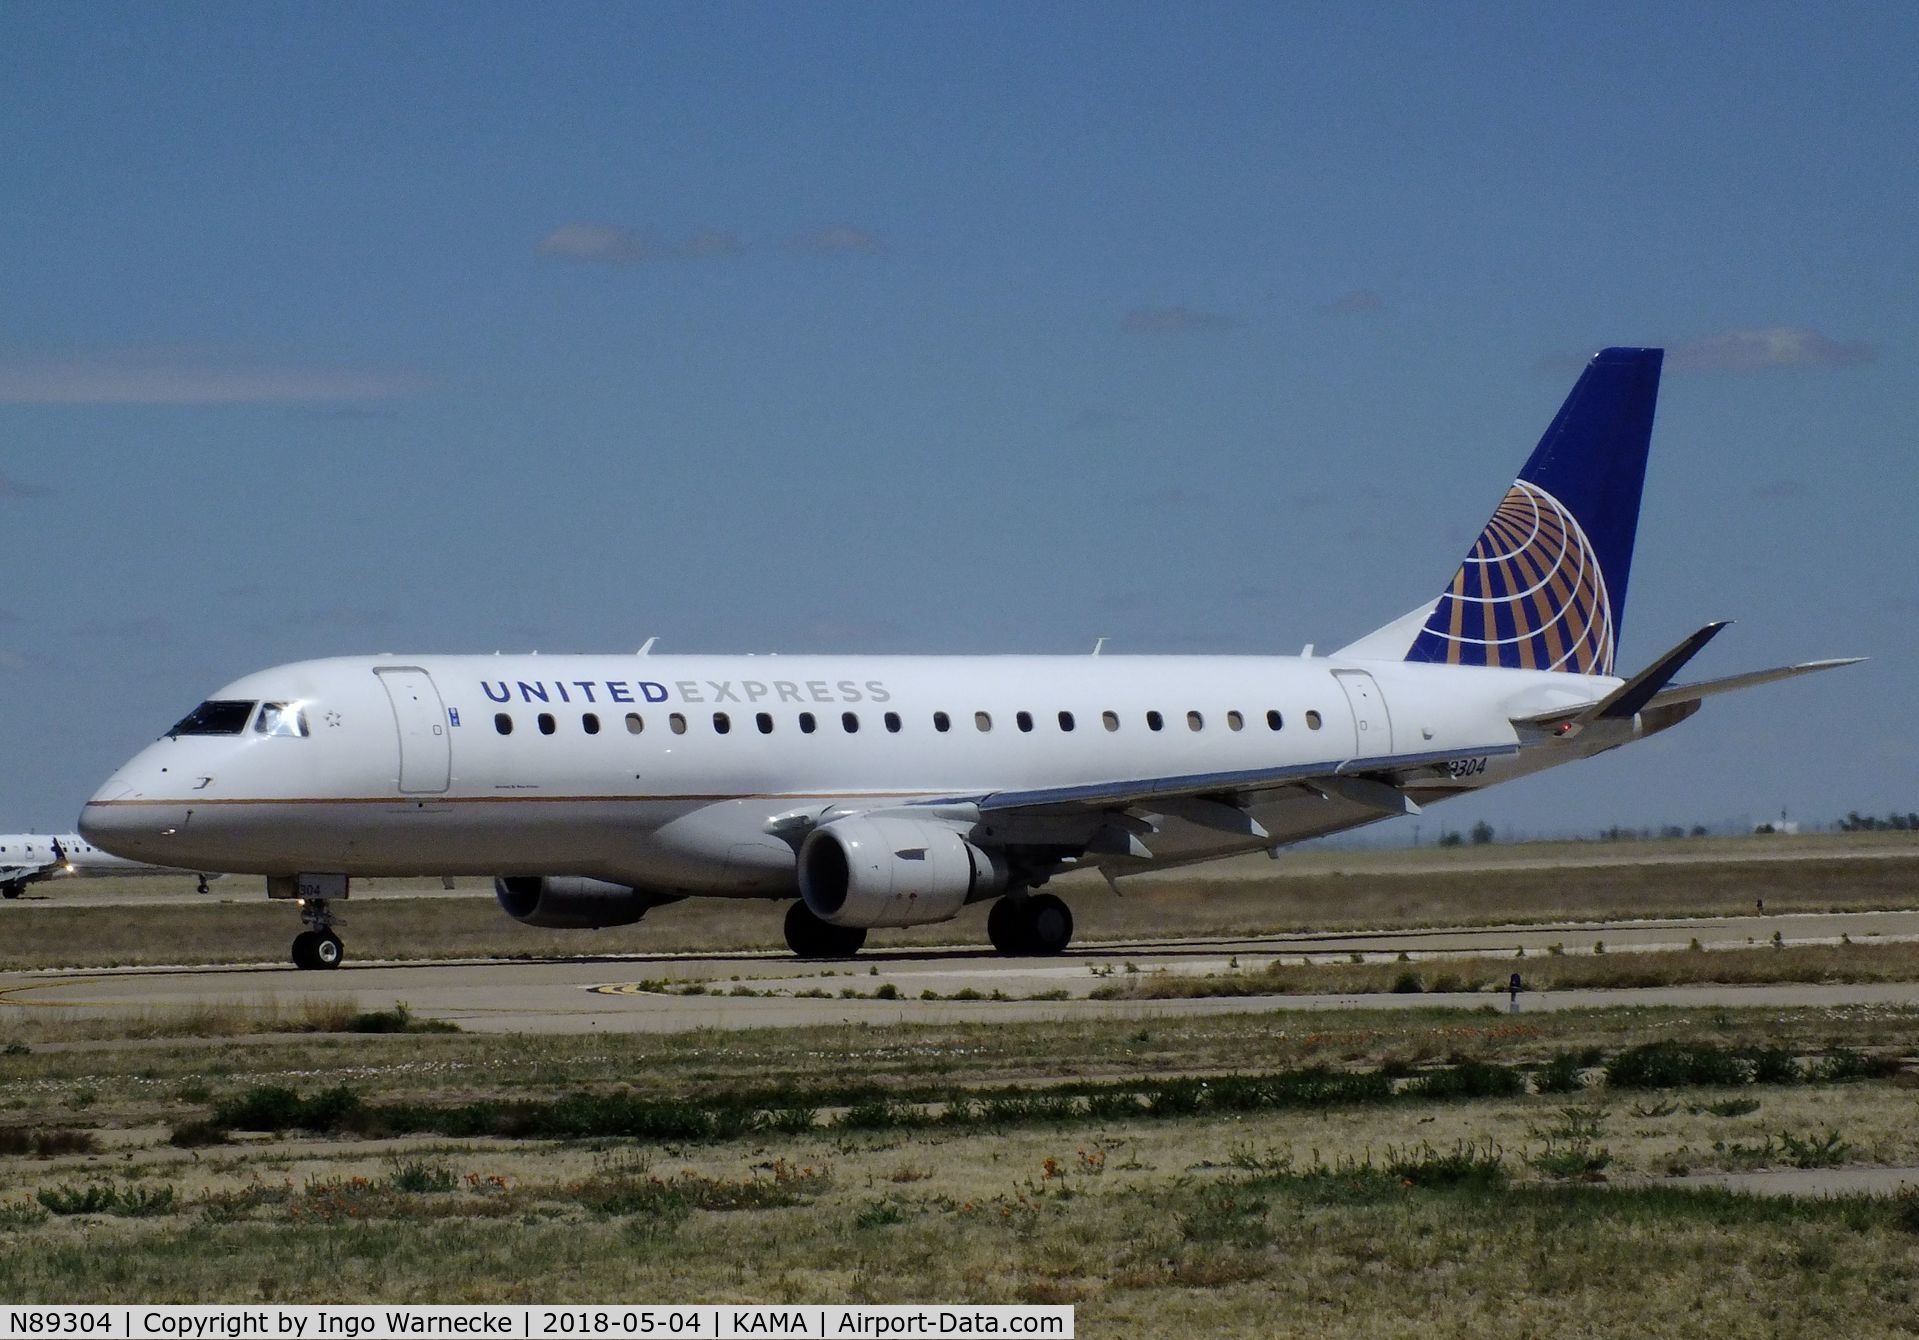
1049,924
12,890
809,937
327,950
1005,927
303,955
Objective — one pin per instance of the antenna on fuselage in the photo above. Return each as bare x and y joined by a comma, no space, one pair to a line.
1097,644
646,647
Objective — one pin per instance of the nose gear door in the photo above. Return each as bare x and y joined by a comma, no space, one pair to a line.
426,750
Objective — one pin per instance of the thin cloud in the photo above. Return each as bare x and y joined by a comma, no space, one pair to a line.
114,379
610,244
1173,321
19,489
1359,300
839,239
1767,349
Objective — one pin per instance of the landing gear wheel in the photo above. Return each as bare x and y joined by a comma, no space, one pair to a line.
327,950
1005,927
809,937
12,890
1049,924
303,954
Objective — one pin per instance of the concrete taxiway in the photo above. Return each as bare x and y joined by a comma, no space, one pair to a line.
654,993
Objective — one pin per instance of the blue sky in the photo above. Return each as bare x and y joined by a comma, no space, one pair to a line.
353,328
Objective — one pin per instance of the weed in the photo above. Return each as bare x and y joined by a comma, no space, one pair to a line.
15,1214
1730,1107
878,1214
1650,1111
419,1175
197,1134
1407,983
1822,1151
131,1201
48,1142
1468,1079
1477,1164
1562,1074
1843,1064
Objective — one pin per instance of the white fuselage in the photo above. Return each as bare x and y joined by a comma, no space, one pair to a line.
673,773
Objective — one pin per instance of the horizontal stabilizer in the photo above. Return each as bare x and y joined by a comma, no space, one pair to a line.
1692,693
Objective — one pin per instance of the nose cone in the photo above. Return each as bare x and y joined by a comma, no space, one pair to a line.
119,822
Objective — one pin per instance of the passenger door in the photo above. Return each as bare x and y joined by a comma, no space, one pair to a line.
426,751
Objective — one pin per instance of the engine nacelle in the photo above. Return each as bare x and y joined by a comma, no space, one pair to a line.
894,871
570,903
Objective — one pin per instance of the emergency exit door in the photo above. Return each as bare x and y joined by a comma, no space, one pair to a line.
426,751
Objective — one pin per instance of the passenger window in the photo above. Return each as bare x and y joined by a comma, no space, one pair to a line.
1024,720
502,723
280,719
722,723
983,721
1273,720
1110,720
1154,721
764,720
1312,720
590,723
547,724
635,723
942,723
893,722
1066,721
850,722
676,723
1194,721
217,717
1234,721
807,724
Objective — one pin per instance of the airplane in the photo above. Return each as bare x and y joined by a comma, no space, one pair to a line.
28,858
882,791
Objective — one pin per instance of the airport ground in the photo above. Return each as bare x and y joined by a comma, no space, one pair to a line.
1248,1133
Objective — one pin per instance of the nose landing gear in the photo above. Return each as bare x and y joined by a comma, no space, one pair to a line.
317,946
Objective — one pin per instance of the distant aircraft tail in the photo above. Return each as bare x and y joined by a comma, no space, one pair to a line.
1544,586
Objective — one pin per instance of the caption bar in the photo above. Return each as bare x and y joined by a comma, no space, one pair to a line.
704,1321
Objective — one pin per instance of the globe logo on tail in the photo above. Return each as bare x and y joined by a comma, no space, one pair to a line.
1529,596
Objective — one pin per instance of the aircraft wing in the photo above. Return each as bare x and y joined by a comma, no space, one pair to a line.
10,874
1338,776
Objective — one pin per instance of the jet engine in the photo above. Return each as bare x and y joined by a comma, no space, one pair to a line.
894,871
571,903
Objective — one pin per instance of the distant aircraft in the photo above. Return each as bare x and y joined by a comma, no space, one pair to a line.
28,858
890,790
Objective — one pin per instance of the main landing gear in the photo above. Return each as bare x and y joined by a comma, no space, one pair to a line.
317,946
1031,923
809,937
12,890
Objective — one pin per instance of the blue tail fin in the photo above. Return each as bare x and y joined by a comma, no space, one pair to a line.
1544,586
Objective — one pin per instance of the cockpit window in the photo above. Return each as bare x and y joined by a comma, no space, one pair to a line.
280,719
218,716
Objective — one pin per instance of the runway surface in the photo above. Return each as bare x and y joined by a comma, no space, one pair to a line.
645,993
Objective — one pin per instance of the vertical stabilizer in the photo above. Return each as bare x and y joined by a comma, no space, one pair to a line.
1544,586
